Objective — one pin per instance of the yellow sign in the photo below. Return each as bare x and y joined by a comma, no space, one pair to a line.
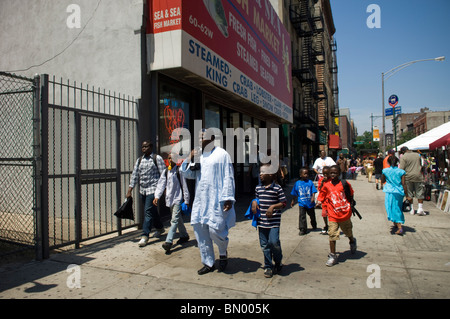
376,134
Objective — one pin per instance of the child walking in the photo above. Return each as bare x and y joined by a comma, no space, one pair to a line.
176,190
303,192
339,212
271,201
322,181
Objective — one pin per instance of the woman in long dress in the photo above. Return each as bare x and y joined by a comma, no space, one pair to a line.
395,190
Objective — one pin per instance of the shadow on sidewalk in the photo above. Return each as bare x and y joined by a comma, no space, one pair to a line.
343,256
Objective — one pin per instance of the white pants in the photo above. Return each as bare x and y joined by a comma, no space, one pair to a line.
205,236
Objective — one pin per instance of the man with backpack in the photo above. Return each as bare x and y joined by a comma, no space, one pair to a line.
176,191
147,170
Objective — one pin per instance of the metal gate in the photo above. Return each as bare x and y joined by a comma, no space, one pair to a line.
91,142
17,164
66,157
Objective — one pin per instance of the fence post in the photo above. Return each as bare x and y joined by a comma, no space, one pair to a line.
118,175
78,219
44,166
37,159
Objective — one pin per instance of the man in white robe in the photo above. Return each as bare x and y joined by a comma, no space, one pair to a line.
213,212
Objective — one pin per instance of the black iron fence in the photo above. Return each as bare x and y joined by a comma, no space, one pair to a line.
83,150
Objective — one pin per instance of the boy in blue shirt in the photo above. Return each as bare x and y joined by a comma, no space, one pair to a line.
303,193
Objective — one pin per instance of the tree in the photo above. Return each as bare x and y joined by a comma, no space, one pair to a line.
365,142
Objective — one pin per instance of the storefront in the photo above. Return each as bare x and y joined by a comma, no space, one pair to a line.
226,64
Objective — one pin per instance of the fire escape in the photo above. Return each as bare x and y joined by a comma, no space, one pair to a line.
308,23
335,88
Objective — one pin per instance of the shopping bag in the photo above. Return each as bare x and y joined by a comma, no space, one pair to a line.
406,206
126,210
186,209
428,192
250,215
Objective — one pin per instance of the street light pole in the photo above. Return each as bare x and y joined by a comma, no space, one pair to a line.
387,75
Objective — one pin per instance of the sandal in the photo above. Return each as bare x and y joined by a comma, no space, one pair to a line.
399,232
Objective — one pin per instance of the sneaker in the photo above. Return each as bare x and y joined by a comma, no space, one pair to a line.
158,233
353,246
332,260
143,241
324,231
412,212
167,246
421,212
378,187
268,273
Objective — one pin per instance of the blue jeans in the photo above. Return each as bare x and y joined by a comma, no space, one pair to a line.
151,216
269,239
176,222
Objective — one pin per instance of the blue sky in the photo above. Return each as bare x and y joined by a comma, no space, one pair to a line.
410,30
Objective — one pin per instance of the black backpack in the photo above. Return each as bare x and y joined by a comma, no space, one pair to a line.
350,198
178,176
154,161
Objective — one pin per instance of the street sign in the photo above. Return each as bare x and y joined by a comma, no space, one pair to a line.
358,143
393,100
389,112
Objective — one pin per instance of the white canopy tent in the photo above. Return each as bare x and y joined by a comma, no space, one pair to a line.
422,142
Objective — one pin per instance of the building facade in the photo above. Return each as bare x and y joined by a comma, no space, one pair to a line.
230,64
314,70
421,122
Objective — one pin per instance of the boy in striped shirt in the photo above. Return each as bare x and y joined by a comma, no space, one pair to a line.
271,201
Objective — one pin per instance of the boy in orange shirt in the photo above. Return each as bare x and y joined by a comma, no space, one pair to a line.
339,212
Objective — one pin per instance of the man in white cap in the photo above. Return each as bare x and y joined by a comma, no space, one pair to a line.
212,213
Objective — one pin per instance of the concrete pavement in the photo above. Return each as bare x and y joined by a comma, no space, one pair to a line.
416,265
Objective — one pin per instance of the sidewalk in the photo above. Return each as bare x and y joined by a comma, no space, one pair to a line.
416,265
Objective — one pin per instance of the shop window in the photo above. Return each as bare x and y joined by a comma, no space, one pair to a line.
174,107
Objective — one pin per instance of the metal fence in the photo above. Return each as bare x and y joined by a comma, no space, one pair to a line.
17,164
84,153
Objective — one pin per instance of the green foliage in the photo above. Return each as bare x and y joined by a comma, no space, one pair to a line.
365,142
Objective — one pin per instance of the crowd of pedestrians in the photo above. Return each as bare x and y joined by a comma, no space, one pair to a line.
212,213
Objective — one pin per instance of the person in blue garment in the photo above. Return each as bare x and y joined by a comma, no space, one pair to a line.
395,189
303,193
213,211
